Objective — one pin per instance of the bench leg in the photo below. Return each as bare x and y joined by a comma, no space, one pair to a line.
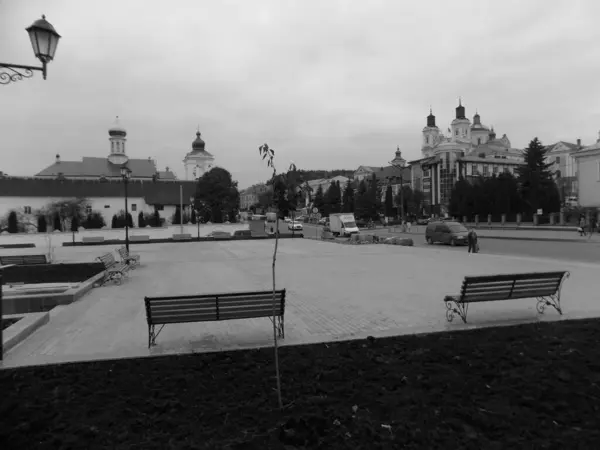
280,327
153,334
453,307
552,300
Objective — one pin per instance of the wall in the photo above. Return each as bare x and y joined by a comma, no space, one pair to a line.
589,180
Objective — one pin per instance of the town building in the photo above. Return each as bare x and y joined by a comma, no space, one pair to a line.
99,181
469,150
250,196
561,156
588,174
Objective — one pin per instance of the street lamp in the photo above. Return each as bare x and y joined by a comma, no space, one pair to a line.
126,175
44,40
196,211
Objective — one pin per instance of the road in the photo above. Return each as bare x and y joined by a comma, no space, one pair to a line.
570,251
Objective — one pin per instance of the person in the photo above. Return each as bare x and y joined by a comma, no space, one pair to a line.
472,240
408,225
581,228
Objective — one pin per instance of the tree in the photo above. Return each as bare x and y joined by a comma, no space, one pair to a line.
333,198
219,191
319,201
290,179
348,198
389,201
141,220
74,223
94,220
265,200
13,225
176,219
536,180
193,217
361,201
156,222
57,223
42,226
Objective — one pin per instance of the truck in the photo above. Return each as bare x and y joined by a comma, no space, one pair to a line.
342,224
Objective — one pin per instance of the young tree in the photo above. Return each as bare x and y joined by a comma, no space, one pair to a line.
361,201
115,222
42,226
389,201
348,198
269,154
57,223
176,219
74,223
13,225
537,187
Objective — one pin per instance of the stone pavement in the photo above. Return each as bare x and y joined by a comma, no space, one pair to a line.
333,292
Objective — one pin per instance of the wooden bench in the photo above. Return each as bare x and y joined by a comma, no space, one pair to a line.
128,258
182,237
23,260
114,271
543,286
92,239
139,238
212,307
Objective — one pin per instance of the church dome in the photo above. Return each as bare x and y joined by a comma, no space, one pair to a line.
198,144
117,129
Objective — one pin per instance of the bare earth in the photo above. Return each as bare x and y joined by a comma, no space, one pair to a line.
334,292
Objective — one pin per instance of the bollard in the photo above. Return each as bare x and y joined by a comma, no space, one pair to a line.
476,220
562,218
490,220
503,219
552,219
535,220
519,218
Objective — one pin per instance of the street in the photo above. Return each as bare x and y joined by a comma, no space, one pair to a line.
570,251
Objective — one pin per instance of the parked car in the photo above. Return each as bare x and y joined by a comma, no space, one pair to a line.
423,220
323,220
287,220
295,226
446,232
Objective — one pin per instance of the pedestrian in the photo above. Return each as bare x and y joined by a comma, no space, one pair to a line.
472,240
581,228
409,225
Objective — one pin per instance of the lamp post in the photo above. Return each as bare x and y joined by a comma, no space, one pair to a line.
126,175
400,168
44,40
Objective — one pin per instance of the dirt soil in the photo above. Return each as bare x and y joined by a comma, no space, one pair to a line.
524,387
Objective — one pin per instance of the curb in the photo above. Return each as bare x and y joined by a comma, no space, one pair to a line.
579,241
25,327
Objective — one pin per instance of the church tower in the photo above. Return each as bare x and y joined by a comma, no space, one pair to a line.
460,126
118,138
431,135
398,160
198,161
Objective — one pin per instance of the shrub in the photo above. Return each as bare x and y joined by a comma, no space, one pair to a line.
42,226
141,220
74,223
157,220
193,218
175,218
118,221
56,223
13,225
114,222
94,220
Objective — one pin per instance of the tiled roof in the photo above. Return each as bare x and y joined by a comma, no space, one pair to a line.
166,175
97,167
159,192
391,171
569,145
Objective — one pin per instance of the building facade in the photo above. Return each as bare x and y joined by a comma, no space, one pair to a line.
469,150
564,165
198,161
588,173
251,195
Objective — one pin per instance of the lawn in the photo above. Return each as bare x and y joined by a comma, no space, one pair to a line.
529,386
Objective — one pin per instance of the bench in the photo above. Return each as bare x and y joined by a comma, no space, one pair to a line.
139,238
212,307
128,258
23,260
182,237
543,286
115,271
92,239
242,233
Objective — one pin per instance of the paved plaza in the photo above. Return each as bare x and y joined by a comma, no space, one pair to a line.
334,291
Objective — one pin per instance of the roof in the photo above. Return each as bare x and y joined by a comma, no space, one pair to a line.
154,192
569,145
98,167
166,175
391,172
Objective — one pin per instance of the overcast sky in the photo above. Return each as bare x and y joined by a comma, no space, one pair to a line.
328,84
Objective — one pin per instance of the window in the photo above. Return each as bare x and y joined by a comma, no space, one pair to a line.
133,207
88,209
427,140
473,169
456,132
598,163
27,209
106,206
478,141
485,170
557,160
495,169
159,207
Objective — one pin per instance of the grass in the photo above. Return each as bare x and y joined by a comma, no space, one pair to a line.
529,386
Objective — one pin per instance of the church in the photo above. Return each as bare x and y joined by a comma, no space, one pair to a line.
469,150
98,179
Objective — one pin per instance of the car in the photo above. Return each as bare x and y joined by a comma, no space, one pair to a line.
323,221
287,220
295,226
446,232
299,219
423,220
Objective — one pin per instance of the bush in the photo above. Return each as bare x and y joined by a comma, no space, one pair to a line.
175,218
156,222
56,223
118,221
141,220
13,225
193,218
94,220
42,226
75,223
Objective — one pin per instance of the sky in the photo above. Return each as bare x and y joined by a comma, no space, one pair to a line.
327,84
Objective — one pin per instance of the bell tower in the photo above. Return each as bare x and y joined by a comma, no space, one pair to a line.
431,134
118,138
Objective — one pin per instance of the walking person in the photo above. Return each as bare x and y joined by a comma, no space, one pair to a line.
472,240
408,225
581,228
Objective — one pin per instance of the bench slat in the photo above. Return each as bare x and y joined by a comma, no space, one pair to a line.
212,304
268,309
489,284
519,276
241,315
267,294
184,319
181,309
541,286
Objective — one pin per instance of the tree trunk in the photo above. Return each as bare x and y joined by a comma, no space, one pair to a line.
274,318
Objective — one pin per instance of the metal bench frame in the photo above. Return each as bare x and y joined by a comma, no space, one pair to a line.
220,301
128,258
114,270
543,286
24,260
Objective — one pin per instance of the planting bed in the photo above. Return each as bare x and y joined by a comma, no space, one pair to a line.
529,386
8,322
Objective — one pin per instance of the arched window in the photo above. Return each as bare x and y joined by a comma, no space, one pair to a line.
112,147
123,147
478,141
